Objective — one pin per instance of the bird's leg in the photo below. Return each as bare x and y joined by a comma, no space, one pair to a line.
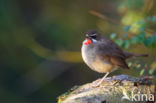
98,84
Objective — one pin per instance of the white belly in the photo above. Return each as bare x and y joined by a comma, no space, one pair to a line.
94,62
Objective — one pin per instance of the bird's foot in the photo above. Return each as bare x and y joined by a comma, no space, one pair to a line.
118,81
96,85
98,82
101,80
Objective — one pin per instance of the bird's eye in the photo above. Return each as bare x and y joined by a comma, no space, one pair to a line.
93,36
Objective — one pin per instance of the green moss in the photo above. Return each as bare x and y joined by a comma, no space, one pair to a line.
107,91
66,94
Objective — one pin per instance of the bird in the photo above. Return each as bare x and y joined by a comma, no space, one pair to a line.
103,55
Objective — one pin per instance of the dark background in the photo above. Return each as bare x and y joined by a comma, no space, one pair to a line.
40,44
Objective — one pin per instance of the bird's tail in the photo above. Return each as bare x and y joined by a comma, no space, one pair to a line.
140,55
129,55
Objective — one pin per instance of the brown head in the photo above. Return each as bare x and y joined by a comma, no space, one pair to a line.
92,36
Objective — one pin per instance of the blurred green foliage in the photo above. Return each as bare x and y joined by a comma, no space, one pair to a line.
40,42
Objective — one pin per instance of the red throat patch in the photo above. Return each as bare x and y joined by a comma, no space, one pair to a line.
89,41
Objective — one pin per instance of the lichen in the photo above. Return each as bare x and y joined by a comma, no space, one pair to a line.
112,90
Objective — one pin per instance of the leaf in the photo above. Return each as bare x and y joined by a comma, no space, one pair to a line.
142,72
151,71
141,37
138,66
148,41
142,29
126,44
154,39
129,64
127,28
142,22
134,40
119,41
125,35
113,35
138,22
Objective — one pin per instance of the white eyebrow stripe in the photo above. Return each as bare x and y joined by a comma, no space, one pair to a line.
93,34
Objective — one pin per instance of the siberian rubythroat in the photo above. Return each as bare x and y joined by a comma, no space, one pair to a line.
103,55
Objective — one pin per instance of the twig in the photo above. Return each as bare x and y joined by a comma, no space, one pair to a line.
100,15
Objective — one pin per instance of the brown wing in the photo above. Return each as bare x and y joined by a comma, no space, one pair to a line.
115,60
112,53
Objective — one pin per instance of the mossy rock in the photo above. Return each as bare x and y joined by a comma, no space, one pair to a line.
117,89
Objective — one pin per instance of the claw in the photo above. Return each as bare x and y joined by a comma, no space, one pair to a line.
118,81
